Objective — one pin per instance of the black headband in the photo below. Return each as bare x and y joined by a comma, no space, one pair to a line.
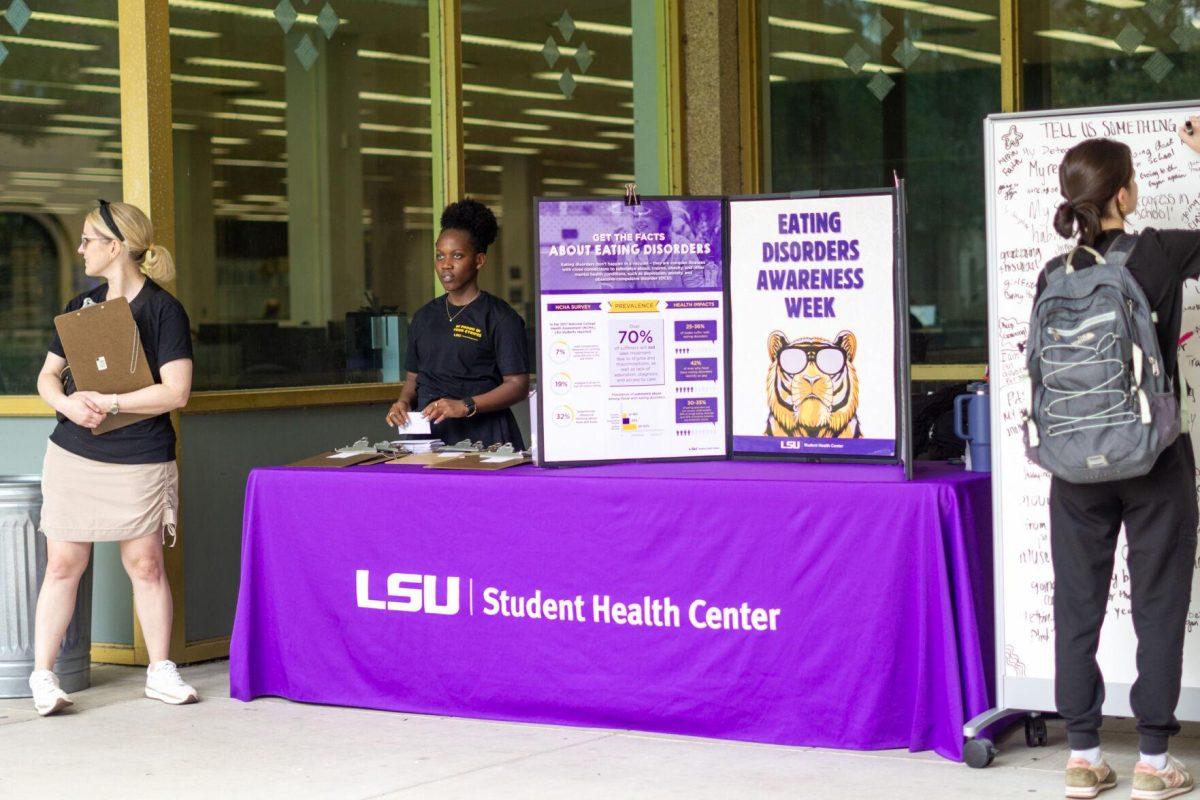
107,216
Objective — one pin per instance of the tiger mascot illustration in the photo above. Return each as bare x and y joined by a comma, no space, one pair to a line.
812,387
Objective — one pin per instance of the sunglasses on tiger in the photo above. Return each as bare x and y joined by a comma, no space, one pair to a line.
794,360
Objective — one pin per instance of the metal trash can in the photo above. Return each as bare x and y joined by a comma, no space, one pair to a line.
22,567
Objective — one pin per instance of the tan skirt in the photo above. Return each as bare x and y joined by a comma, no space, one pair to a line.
93,501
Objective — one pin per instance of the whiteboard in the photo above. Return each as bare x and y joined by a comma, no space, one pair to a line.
1023,152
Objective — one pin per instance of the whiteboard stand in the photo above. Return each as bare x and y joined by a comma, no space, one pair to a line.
1014,144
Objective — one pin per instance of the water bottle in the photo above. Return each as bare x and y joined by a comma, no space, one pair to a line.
972,424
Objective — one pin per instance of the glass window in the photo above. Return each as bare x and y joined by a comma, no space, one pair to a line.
1090,53
549,94
302,186
862,90
61,149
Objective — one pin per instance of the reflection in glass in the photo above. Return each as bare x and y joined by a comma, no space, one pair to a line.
60,150
550,93
862,91
302,184
1089,54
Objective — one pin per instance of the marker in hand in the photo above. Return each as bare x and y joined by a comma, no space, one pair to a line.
1187,126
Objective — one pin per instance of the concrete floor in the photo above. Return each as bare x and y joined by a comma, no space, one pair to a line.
115,743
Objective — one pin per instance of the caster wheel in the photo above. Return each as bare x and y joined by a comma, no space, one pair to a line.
1035,732
978,753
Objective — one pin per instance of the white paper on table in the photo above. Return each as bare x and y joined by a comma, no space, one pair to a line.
499,459
416,424
351,454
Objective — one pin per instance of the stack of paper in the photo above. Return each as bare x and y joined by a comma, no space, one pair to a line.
415,446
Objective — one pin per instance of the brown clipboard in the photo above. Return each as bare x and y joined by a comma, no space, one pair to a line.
334,459
105,355
478,462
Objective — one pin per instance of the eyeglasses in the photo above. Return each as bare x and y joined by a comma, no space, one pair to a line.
84,239
830,360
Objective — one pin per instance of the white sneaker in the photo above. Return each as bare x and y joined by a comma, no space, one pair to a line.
48,697
163,683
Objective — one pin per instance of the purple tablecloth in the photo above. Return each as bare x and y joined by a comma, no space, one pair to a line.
874,629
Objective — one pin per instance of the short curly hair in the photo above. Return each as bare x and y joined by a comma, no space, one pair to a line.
473,217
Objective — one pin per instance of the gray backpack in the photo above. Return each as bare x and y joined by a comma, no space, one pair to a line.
1101,405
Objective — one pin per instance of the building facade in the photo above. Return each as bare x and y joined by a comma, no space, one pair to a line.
295,154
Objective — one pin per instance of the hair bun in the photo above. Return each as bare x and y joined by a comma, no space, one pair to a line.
1064,219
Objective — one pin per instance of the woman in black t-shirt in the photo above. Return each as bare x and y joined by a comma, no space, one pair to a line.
1158,509
467,363
121,485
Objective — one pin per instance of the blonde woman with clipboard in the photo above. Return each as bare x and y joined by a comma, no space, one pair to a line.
121,485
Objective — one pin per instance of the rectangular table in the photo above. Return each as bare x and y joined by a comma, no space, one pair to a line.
802,604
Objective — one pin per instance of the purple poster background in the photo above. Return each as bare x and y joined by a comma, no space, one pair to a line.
604,246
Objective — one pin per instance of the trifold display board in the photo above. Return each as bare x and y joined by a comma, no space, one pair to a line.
693,328
1023,155
631,330
819,363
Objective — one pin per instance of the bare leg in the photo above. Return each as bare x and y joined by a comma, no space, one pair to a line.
65,565
143,560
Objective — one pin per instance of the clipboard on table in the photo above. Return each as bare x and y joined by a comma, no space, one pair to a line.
105,355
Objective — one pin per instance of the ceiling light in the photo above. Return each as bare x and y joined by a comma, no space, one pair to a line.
236,83
935,10
804,25
381,128
85,119
39,183
604,27
384,97
203,61
240,10
65,131
616,134
563,181
514,44
1087,38
273,132
482,89
498,123
249,162
777,79
184,126
53,44
619,176
974,55
577,115
617,83
566,143
250,101
380,55
830,61
1119,3
391,151
94,87
31,101
495,148
234,140
240,117
111,72
188,33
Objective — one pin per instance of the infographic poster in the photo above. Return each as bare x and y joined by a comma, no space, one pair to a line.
813,328
630,330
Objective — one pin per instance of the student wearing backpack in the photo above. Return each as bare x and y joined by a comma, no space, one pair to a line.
1158,507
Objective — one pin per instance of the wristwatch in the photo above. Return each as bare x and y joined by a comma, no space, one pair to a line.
115,408
469,402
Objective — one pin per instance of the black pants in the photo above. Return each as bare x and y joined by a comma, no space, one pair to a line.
1159,512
